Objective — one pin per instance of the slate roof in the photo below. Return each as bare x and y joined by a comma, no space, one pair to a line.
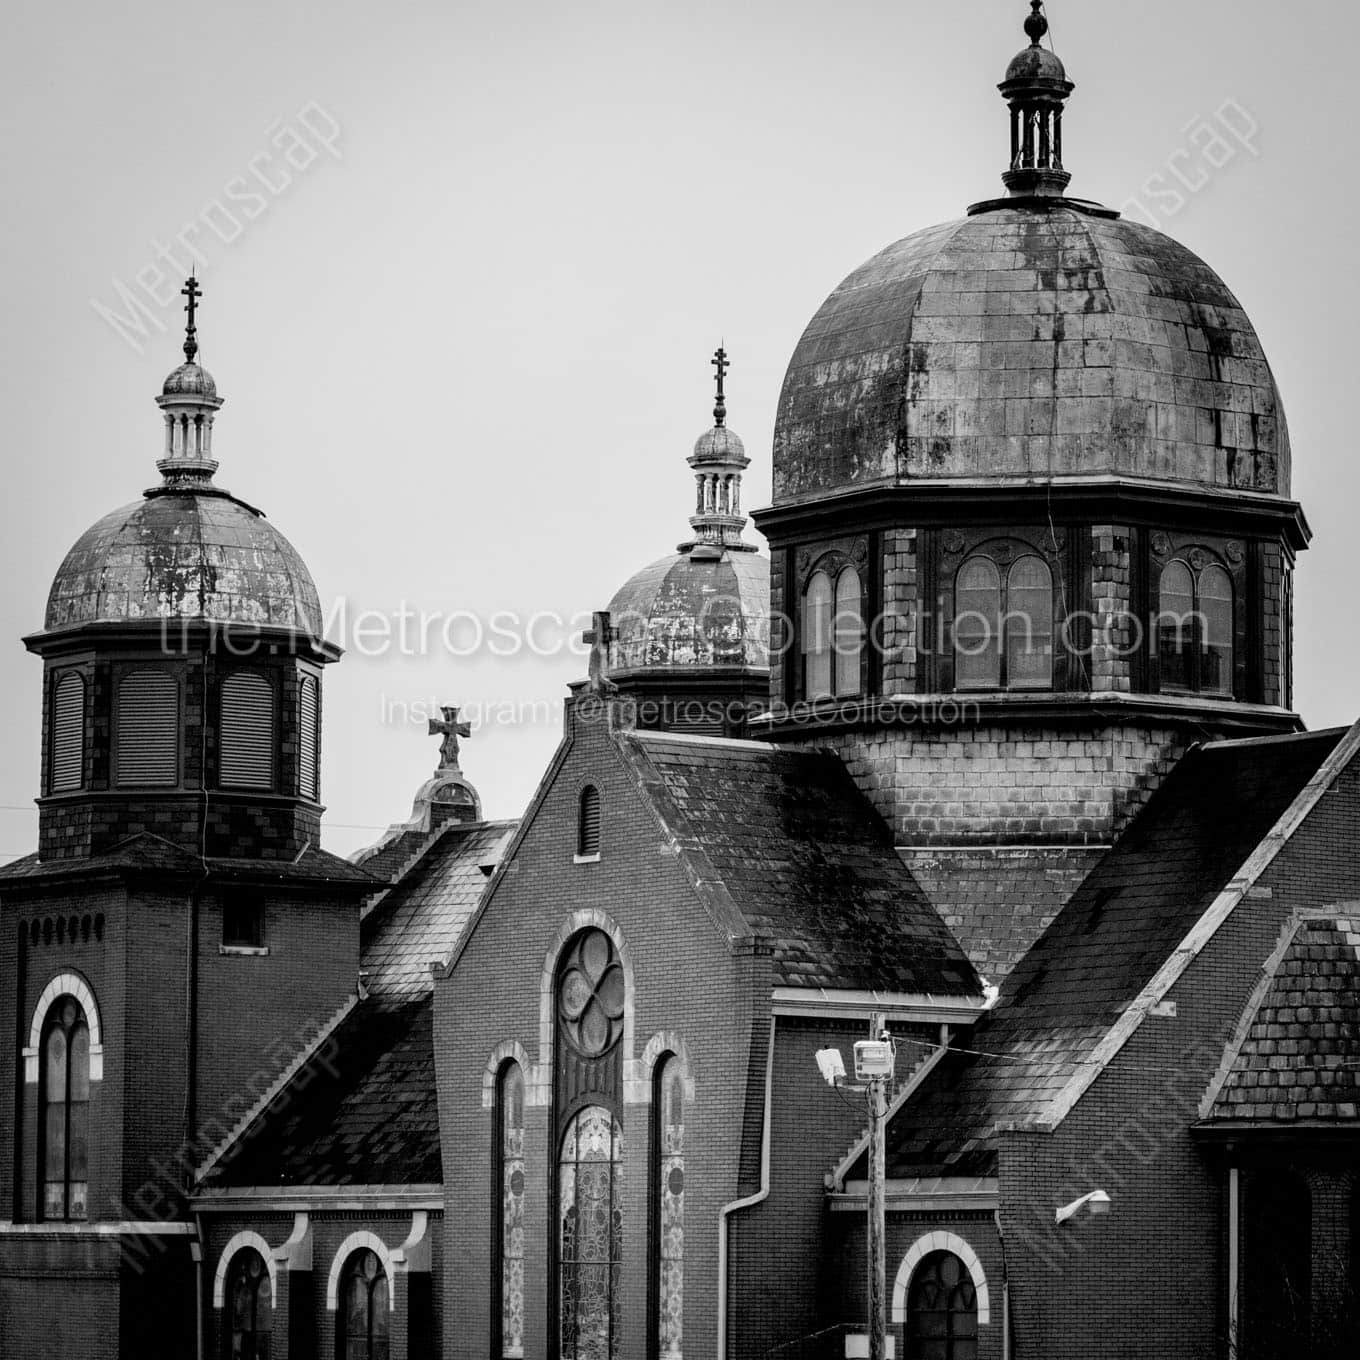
362,1111
1299,1058
419,921
1120,927
999,901
787,840
391,858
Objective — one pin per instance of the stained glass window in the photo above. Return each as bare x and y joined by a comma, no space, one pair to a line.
510,1137
590,1208
65,1103
364,1302
942,1322
668,1105
591,994
248,1300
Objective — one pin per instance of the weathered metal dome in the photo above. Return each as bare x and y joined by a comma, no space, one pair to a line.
190,379
697,608
1026,344
180,554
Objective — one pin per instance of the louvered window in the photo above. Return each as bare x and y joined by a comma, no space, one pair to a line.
588,829
309,738
247,734
148,730
68,733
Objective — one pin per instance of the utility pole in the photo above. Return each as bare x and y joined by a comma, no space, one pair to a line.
877,1096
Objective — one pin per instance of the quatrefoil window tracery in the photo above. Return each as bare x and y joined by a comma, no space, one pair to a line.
591,996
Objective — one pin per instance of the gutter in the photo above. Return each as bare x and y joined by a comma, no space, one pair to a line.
750,1201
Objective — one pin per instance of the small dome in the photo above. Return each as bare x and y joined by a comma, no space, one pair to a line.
1036,63
719,445
1019,346
694,609
185,555
190,380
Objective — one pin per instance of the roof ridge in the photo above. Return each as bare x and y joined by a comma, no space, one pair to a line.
1274,739
1202,932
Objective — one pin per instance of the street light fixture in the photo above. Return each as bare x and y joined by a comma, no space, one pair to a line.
1097,1202
875,1059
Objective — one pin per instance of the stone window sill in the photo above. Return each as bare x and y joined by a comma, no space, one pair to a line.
246,950
585,859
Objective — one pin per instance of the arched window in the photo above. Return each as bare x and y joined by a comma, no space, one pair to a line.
509,1159
67,751
364,1308
1195,629
147,730
668,1210
942,1310
590,1246
977,625
848,631
1029,624
64,1102
247,732
588,823
309,738
249,1311
817,637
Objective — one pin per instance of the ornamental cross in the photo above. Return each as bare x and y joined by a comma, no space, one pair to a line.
193,292
600,635
719,362
450,729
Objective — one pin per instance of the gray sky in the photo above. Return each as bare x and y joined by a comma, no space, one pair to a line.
464,331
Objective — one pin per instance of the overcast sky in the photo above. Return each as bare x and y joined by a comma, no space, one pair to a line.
471,259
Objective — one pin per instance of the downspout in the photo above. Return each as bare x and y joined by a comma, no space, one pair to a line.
1234,1263
1005,1290
196,1249
750,1200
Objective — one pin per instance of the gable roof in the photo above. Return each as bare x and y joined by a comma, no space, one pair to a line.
1296,1057
1127,933
783,842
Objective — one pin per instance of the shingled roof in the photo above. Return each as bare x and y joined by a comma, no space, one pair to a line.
1297,1057
363,1108
785,841
1121,926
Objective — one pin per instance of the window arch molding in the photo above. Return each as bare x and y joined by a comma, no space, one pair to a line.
635,1091
234,1247
357,1241
511,1051
923,1247
65,984
665,1044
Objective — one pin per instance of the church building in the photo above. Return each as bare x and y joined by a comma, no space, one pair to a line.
997,744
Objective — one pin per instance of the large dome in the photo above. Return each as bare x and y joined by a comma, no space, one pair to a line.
694,609
1025,344
185,555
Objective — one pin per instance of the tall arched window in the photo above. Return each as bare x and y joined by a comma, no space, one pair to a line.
590,1208
977,625
848,632
67,751
818,608
1195,629
365,1307
309,738
509,1158
64,1102
147,730
1277,1264
1028,624
247,732
588,823
250,1313
942,1311
668,1210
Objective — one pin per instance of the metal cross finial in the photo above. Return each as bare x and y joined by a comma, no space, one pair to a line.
450,729
600,634
719,362
193,292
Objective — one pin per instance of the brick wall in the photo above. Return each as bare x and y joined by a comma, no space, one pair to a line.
899,611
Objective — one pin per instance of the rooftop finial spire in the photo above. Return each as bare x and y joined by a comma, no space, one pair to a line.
720,364
1036,25
193,292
